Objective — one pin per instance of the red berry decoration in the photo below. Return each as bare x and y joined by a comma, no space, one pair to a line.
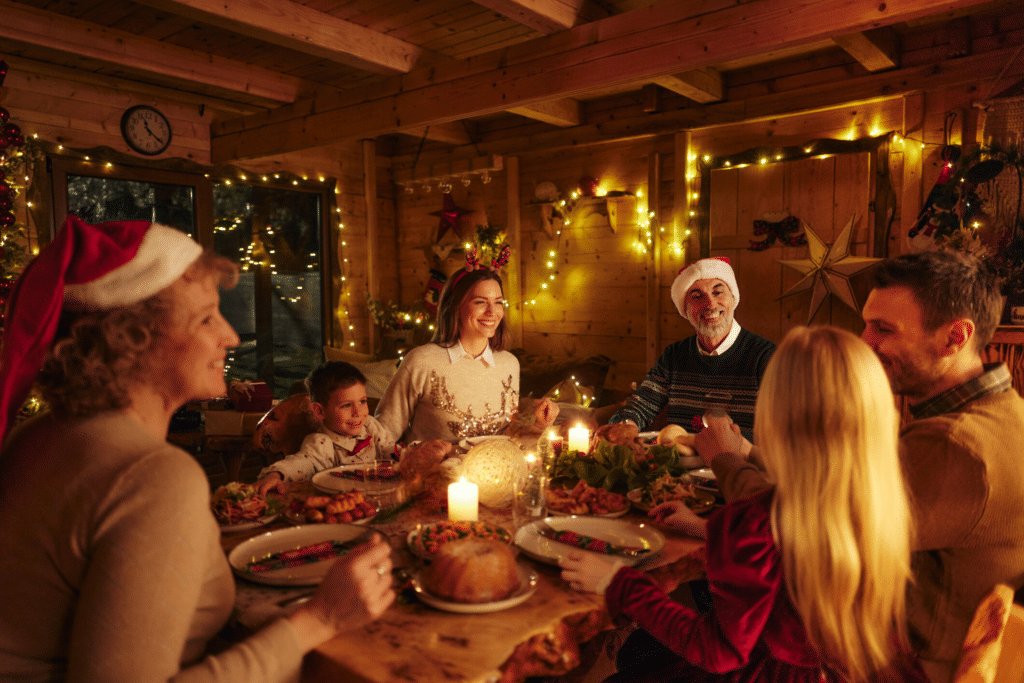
5,115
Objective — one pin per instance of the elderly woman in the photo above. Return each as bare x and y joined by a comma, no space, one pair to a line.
113,569
464,383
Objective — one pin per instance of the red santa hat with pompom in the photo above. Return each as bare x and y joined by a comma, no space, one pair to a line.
86,268
716,267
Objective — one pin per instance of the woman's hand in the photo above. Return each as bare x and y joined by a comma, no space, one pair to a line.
588,573
272,482
546,413
720,435
356,591
676,514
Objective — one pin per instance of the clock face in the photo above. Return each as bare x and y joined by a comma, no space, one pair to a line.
146,130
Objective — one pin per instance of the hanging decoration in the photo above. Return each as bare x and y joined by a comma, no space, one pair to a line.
828,269
448,233
777,230
432,292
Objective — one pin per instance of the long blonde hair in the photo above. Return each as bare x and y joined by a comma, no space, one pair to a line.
828,426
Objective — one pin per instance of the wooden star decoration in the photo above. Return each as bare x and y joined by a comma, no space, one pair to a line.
450,216
828,269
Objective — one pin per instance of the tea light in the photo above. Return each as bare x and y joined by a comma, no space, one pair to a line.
555,441
462,501
579,439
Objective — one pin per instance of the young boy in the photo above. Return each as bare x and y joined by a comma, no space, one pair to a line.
348,434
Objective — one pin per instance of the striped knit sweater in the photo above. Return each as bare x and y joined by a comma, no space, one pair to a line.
690,383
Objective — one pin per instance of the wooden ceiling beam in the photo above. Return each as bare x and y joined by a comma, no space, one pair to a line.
47,29
876,50
546,16
449,133
637,51
869,88
564,113
295,26
700,85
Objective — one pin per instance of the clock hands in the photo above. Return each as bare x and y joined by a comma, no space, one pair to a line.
158,138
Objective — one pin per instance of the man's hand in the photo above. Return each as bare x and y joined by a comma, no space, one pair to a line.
720,435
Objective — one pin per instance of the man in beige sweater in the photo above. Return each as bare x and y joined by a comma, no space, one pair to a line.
928,319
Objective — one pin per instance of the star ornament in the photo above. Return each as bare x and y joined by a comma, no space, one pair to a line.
450,216
829,269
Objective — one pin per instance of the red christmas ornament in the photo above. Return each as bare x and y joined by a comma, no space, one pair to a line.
450,216
588,186
5,115
4,188
12,129
5,203
6,220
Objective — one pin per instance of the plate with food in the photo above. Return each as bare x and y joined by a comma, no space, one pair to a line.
341,508
668,488
371,481
584,499
295,556
239,507
473,576
548,540
426,539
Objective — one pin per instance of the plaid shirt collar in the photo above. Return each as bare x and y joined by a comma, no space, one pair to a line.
995,380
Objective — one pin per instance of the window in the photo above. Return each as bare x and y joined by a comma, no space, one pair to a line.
275,235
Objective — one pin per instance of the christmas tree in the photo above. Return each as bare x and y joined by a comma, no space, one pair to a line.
16,160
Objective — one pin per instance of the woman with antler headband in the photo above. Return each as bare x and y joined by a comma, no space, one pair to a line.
464,383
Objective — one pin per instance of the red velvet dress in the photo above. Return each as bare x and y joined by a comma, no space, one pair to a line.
753,633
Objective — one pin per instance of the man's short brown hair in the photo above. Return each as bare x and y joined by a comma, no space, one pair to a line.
949,286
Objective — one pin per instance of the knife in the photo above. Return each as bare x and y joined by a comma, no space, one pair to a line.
582,542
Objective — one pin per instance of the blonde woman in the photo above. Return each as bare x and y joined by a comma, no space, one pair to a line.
807,577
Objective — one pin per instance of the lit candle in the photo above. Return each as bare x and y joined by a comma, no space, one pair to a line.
579,439
462,501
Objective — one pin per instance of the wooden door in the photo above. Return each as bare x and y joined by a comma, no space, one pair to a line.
823,193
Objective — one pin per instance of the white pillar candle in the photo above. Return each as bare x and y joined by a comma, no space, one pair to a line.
462,501
579,439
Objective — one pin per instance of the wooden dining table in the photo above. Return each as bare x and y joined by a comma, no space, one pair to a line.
416,643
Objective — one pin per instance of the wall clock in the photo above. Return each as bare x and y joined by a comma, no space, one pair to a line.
146,130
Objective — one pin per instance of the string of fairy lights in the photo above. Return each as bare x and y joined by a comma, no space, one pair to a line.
673,237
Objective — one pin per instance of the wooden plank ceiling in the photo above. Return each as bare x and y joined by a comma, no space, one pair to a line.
286,75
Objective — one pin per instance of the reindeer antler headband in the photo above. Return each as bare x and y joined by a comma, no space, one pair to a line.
473,263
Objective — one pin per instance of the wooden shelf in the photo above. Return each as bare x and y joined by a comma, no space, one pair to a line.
609,210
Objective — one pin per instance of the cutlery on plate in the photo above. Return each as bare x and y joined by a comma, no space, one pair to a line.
317,552
582,542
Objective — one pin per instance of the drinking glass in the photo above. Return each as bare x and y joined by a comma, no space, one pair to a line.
530,501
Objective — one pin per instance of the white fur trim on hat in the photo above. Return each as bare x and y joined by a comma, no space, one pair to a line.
704,269
163,256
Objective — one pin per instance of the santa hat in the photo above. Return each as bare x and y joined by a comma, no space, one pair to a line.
85,268
705,269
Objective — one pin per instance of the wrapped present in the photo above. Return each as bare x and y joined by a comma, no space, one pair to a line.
250,397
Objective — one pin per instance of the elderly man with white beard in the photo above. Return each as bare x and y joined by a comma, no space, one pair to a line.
719,368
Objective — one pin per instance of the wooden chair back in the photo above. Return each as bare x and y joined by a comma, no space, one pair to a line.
993,651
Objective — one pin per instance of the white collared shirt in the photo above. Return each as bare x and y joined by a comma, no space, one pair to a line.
729,340
457,353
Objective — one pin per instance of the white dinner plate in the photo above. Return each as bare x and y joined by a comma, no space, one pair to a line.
299,518
649,436
247,526
280,540
527,587
614,531
328,483
606,515
700,503
468,443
